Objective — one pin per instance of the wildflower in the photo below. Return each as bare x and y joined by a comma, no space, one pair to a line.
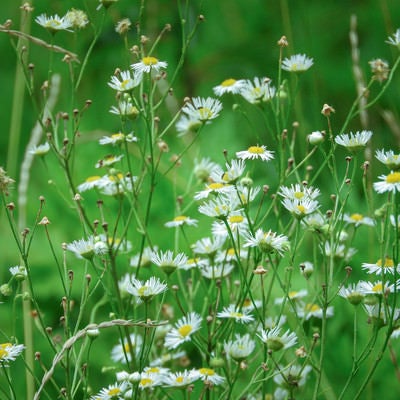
358,219
378,314
394,40
275,341
388,183
165,358
338,251
207,246
327,110
149,382
353,293
167,262
300,208
77,18
115,391
268,242
247,194
297,63
19,272
298,192
258,91
117,138
203,169
254,152
9,352
184,328
122,352
289,378
230,254
125,82
354,141
307,268
209,375
229,86
388,158
239,348
395,333
180,379
181,220
123,26
394,223
378,288
214,188
237,223
125,109
202,109
219,208
293,295
380,69
145,291
5,181
216,271
108,161
315,138
90,183
314,310
53,23
187,124
115,184
232,312
149,64
143,258
381,267
233,172
40,150
84,248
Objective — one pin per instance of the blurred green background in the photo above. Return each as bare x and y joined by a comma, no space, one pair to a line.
237,39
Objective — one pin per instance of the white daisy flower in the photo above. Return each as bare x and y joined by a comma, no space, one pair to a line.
231,174
90,183
273,322
144,259
268,242
214,188
378,313
202,109
181,220
216,271
122,351
85,248
167,262
108,161
307,269
354,141
208,246
292,373
209,375
115,391
149,382
257,91
229,255
40,150
145,291
238,315
204,168
183,330
112,185
314,222
256,152
297,63
167,357
378,288
352,293
239,348
53,23
394,40
275,341
237,223
229,86
125,109
300,208
339,251
180,379
358,219
149,64
9,352
219,208
388,183
313,310
247,194
299,192
125,82
117,138
187,124
294,295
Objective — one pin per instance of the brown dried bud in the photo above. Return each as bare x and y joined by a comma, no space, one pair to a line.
282,42
327,110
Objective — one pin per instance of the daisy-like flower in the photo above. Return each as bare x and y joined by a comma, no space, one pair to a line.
117,138
381,268
108,161
314,222
352,293
203,109
297,63
268,242
144,258
313,310
54,23
9,352
167,357
258,91
149,381
85,248
378,288
183,330
187,124
237,223
247,194
231,174
122,352
229,86
291,377
209,375
116,184
299,192
388,183
275,341
115,391
167,262
149,64
181,220
357,219
238,315
239,348
125,109
394,40
293,295
354,141
339,251
254,152
180,379
388,158
216,271
300,208
307,269
90,183
378,313
125,82
123,26
145,291
40,150
219,208
208,246
229,255
214,188
203,169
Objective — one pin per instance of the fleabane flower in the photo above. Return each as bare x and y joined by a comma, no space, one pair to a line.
167,261
314,310
237,223
388,158
233,171
125,81
117,138
256,152
145,291
125,109
85,248
216,271
297,63
9,352
203,109
234,313
299,192
204,168
183,330
115,391
219,208
354,141
276,341
353,293
229,86
357,219
108,161
188,124
268,242
149,64
122,352
209,375
208,246
180,379
239,348
54,23
258,91
388,183
300,208
181,220
378,288
394,40
40,150
214,188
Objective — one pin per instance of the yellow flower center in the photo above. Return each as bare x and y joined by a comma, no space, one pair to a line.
228,82
255,150
93,178
301,209
142,291
149,61
127,348
118,136
237,315
236,219
394,177
292,294
114,391
146,381
205,113
207,371
298,195
124,83
312,307
185,330
356,217
153,370
378,287
179,379
215,186
231,252
389,263
180,218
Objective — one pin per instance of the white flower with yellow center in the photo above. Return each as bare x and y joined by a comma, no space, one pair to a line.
108,161
352,293
208,246
230,255
9,352
53,23
388,183
116,184
77,18
209,375
297,63
85,248
144,258
229,86
125,109
239,348
181,220
275,341
203,109
216,271
180,379
235,313
183,330
122,352
115,391
145,291
149,382
378,288
203,169
90,183
214,188
117,138
187,124
299,192
219,208
300,208
268,242
125,82
358,219
354,141
394,40
40,150
257,91
256,152
149,64
293,295
314,310
231,174
237,224
167,262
